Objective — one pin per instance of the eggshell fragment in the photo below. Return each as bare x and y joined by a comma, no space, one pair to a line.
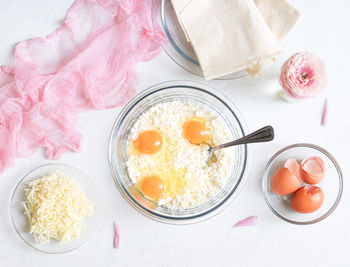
293,165
307,199
312,170
285,180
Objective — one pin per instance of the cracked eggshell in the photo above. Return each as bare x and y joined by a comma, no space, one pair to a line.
307,199
286,179
312,170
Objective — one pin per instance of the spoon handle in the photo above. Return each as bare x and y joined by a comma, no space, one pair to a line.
264,134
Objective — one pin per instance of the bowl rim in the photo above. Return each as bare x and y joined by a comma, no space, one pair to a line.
340,177
119,120
96,212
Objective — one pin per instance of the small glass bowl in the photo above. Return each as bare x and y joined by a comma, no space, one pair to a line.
201,95
176,45
331,185
20,220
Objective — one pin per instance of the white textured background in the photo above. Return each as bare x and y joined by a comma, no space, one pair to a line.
323,30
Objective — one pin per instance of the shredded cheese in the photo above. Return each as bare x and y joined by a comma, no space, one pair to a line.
56,208
189,181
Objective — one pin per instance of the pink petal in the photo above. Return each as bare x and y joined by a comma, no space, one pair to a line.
325,112
249,221
88,63
116,235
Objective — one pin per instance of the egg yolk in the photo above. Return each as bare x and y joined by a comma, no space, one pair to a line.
194,131
152,187
148,142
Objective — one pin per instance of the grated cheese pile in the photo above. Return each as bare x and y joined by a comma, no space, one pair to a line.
56,208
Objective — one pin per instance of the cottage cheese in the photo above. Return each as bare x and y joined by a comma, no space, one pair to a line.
189,180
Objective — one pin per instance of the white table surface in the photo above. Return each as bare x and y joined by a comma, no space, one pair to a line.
323,30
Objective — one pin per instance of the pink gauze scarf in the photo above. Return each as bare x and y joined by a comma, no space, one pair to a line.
87,63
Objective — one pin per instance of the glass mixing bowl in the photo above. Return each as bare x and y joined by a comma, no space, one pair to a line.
331,185
176,45
20,220
187,91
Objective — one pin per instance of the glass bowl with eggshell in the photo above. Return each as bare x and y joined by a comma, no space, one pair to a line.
331,185
185,91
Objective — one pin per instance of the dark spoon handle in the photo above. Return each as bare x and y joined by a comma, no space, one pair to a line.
264,134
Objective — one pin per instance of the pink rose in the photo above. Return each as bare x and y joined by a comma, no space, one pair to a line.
303,75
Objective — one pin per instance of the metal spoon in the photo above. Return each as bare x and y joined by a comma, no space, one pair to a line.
264,134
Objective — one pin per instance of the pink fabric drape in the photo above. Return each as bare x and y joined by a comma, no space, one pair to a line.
88,63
